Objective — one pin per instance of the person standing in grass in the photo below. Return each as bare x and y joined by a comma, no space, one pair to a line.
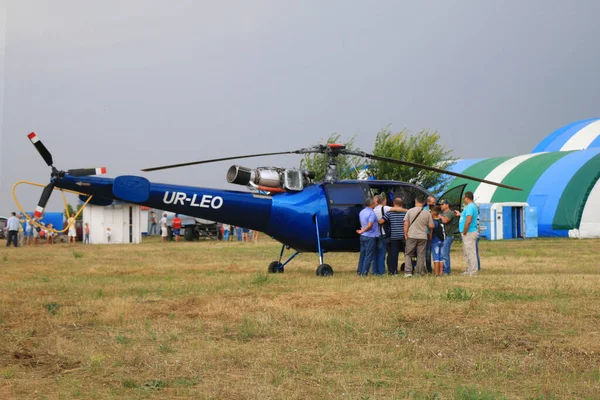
86,234
50,234
12,227
395,222
177,227
72,229
226,232
163,227
467,225
437,236
21,230
449,220
416,224
28,232
152,230
368,238
36,231
431,202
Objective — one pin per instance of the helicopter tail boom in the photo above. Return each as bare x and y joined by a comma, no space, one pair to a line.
248,210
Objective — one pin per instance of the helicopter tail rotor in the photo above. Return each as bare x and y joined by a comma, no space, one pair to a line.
39,210
47,156
41,148
87,171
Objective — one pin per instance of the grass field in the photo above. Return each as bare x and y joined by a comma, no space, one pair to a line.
204,320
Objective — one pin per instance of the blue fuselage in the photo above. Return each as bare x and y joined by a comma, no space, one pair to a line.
287,217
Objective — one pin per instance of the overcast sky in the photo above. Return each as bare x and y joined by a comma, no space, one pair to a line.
129,84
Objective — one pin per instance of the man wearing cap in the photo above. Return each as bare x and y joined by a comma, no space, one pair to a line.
449,220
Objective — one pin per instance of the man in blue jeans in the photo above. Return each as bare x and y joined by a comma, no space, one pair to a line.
450,226
381,247
368,237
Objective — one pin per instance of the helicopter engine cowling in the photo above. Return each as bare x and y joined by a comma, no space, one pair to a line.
270,177
239,175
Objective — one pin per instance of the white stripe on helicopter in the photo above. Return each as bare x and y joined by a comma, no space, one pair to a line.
207,201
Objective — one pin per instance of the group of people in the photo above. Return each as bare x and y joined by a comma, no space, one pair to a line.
224,231
25,231
231,232
424,233
163,224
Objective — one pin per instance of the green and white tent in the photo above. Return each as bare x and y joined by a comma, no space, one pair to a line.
560,178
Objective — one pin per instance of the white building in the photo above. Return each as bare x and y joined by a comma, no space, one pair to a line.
124,221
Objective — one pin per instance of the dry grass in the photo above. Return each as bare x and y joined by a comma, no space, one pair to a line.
204,320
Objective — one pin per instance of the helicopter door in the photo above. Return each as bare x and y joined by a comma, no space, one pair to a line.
345,201
454,196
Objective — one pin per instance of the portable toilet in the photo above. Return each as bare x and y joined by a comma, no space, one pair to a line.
507,221
531,222
487,225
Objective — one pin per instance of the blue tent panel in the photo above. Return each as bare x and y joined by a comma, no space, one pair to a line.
462,165
558,138
595,143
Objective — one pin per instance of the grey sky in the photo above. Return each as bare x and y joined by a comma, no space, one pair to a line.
129,84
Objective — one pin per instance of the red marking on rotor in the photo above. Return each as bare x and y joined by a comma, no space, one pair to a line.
31,135
102,170
335,145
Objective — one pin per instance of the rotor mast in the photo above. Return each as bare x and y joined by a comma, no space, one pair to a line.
332,174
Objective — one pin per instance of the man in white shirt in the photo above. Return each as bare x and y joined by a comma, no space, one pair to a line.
163,227
12,227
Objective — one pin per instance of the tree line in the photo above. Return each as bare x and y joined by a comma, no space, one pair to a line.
423,147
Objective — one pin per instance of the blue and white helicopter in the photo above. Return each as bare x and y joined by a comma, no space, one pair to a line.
284,203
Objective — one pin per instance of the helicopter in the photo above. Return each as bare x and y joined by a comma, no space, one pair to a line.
284,203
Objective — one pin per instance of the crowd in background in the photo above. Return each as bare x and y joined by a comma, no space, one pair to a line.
22,231
224,232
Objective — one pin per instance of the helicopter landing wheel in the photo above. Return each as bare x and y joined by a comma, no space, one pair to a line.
324,270
275,267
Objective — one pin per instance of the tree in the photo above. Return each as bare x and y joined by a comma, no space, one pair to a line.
71,212
348,166
422,148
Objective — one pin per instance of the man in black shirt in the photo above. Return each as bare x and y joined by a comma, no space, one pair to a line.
395,221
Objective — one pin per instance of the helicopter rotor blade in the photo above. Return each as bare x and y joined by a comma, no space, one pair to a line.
41,148
426,167
39,210
223,159
87,171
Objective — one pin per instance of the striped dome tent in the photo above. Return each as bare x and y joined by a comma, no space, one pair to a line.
563,184
579,135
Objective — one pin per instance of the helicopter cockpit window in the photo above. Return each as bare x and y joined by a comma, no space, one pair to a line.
346,194
345,203
408,195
